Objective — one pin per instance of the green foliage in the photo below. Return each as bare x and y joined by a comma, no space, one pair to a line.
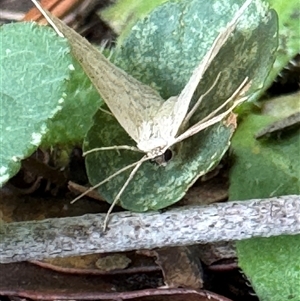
31,90
264,168
122,15
162,50
45,96
289,35
273,266
47,99
70,125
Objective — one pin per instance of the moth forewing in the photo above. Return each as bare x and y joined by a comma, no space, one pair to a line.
181,104
197,104
237,94
152,122
130,101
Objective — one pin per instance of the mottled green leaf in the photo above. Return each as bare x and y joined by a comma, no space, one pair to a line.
162,50
264,168
153,187
122,15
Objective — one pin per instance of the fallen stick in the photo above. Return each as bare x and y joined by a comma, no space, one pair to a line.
70,236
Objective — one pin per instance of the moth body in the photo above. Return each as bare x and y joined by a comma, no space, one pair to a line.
154,147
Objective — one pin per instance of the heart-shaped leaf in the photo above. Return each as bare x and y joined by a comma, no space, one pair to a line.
162,51
289,34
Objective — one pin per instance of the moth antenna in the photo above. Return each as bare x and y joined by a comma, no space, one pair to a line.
103,45
145,158
187,93
197,104
240,90
201,126
43,12
133,172
116,147
204,123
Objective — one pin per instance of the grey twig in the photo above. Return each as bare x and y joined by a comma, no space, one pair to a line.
126,231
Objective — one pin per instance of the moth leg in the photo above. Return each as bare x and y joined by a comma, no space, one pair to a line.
145,158
197,104
107,112
115,147
133,172
240,90
244,86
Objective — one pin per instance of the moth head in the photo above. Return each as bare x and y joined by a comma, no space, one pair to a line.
163,160
154,147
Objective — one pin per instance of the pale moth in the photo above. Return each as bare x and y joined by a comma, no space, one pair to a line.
156,129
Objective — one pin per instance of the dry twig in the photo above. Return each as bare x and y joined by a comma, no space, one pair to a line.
82,235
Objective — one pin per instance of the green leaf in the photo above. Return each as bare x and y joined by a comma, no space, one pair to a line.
273,266
32,89
289,35
122,15
282,106
162,50
264,168
70,125
47,100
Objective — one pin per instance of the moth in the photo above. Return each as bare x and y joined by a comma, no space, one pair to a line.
153,123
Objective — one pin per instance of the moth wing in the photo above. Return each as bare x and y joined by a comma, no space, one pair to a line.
178,106
131,102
